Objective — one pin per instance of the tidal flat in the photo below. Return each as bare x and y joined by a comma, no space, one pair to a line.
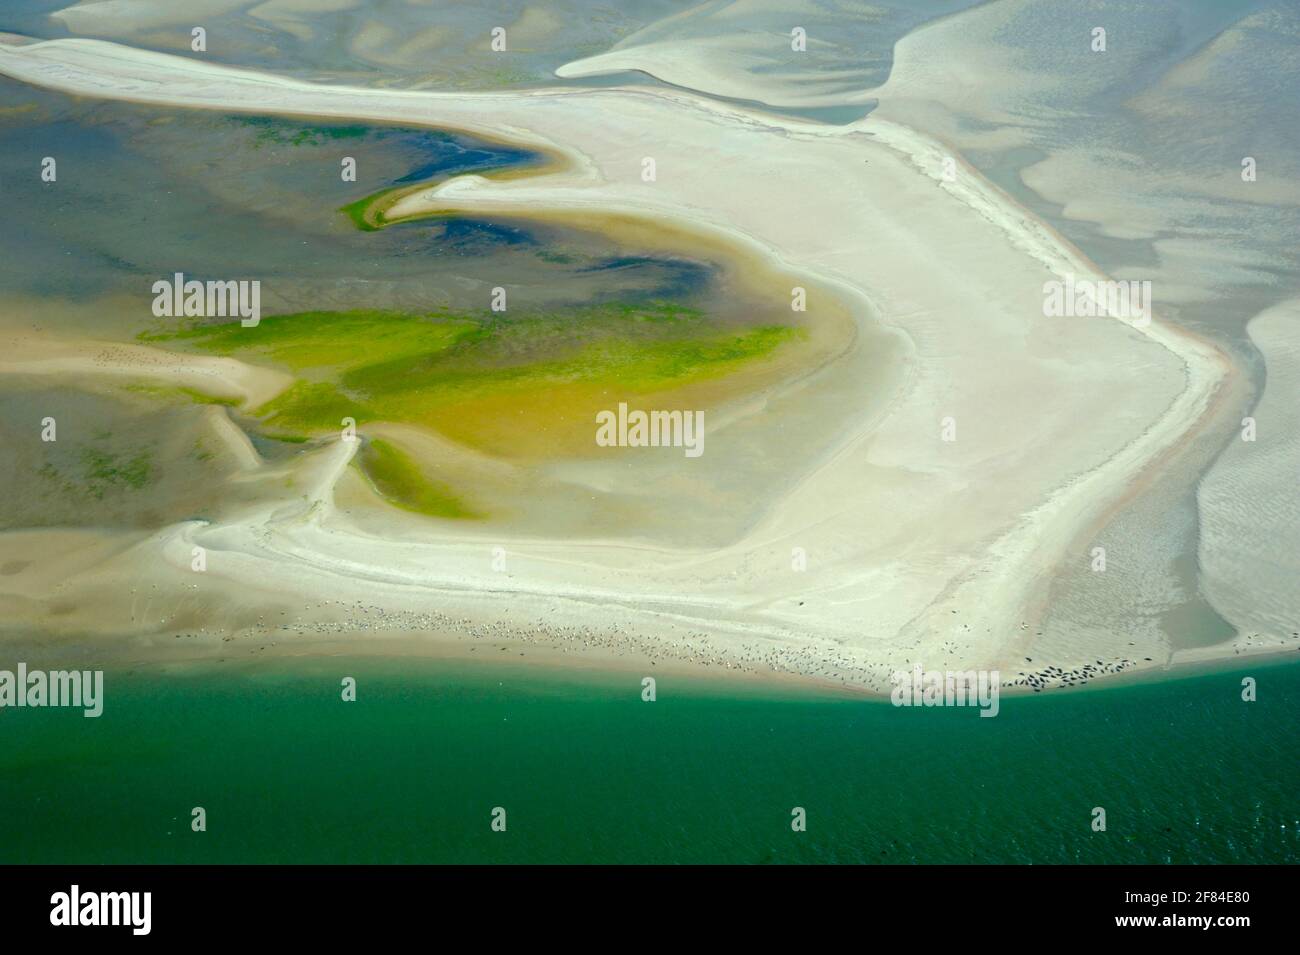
922,542
461,409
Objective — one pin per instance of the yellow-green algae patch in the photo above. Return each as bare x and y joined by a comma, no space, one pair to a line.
402,482
324,341
180,393
427,370
367,214
517,386
274,131
100,471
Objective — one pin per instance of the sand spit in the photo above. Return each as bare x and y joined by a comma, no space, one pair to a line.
225,378
918,548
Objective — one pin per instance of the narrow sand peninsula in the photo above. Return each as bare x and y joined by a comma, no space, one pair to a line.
29,354
918,549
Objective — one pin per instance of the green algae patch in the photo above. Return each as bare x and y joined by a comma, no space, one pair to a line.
651,366
400,480
368,212
181,394
310,406
104,470
278,132
525,383
489,364
325,341
290,438
362,212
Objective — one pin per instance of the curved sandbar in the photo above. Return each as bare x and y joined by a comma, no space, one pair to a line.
918,549
246,385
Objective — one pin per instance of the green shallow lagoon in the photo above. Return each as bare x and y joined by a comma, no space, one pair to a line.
588,772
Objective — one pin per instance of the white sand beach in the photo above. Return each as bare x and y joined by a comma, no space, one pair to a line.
919,549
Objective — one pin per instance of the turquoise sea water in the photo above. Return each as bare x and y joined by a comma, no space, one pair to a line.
587,772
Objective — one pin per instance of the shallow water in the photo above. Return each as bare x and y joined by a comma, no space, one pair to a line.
587,772
143,193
